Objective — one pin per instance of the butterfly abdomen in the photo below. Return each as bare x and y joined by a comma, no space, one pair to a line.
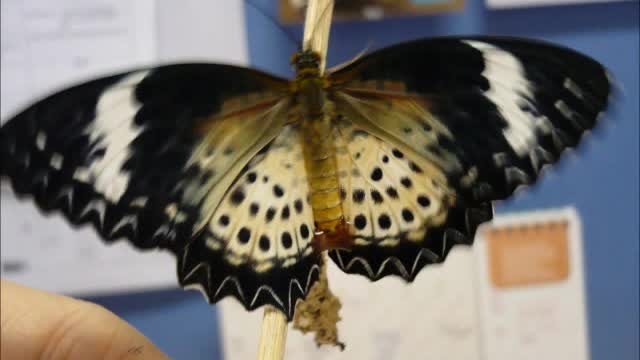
322,175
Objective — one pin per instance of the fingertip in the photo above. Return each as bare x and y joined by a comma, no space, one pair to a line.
36,325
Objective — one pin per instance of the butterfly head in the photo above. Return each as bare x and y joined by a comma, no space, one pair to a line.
306,63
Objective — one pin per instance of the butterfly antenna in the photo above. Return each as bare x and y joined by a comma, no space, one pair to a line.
264,13
360,55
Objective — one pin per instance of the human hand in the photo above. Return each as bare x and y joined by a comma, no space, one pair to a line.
39,325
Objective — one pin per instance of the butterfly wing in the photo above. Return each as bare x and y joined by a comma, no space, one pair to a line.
150,155
394,201
503,107
263,230
479,116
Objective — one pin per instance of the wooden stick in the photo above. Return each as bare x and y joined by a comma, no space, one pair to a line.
316,27
273,336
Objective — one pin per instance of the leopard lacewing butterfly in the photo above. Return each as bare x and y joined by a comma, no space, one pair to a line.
385,163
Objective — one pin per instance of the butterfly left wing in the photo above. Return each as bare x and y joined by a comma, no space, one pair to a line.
257,245
156,156
479,116
131,153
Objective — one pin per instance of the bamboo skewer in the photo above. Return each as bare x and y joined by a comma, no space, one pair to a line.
316,28
273,335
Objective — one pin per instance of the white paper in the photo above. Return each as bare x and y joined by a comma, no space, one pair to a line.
202,30
47,45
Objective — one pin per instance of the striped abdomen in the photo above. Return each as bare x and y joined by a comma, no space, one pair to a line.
320,163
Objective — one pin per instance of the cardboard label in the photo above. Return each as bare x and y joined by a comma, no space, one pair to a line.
293,11
530,287
528,255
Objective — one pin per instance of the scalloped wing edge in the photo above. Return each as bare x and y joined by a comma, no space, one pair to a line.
460,230
247,287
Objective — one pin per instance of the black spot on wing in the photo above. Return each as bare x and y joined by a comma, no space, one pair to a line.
360,221
244,235
376,174
270,214
384,221
223,220
278,191
407,215
286,213
254,208
237,197
304,231
377,197
423,201
286,239
358,196
264,243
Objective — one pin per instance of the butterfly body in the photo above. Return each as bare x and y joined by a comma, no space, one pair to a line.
247,178
316,122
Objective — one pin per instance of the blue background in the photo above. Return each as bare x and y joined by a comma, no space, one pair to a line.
601,181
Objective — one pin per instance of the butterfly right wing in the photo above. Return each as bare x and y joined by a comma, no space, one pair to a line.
491,112
481,117
401,209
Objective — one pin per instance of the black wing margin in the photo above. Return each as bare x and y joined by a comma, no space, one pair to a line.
143,122
511,105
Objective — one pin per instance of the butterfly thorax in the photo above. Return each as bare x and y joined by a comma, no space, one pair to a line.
309,84
319,152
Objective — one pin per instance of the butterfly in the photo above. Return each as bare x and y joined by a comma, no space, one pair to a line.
248,178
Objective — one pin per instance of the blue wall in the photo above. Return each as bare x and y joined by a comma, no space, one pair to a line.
602,181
